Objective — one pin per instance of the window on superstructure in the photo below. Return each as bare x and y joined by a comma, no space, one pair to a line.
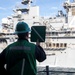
49,44
65,45
53,44
57,45
34,17
52,33
61,44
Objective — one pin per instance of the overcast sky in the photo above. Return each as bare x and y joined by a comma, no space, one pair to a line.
47,7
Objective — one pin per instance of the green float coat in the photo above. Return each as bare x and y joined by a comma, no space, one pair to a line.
20,58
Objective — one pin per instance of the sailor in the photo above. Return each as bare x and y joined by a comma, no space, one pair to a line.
20,57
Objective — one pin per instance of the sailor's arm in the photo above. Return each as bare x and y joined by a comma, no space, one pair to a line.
2,58
39,53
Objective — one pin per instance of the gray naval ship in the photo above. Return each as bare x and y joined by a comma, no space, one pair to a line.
59,44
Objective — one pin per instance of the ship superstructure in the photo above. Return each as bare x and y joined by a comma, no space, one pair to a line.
60,32
21,14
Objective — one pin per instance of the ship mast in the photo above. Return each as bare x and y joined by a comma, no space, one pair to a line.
70,9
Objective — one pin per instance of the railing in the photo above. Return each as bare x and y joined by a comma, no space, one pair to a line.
47,71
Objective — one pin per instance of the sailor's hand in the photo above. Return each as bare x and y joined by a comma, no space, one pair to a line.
37,43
